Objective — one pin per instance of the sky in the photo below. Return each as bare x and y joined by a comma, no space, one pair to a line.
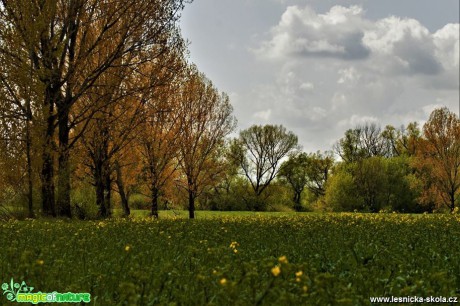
320,67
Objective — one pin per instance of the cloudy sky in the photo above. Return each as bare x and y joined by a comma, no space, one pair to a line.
319,67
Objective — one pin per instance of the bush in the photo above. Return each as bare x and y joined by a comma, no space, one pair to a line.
15,205
139,201
341,194
83,203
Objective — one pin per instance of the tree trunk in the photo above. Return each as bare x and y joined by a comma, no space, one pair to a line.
191,205
29,170
47,171
108,191
99,184
155,196
121,190
63,198
297,205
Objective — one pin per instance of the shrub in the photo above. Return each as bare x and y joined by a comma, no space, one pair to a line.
83,203
139,201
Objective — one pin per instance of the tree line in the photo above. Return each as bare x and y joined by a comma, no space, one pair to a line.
100,109
411,169
101,93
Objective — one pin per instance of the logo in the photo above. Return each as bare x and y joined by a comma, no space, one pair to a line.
21,293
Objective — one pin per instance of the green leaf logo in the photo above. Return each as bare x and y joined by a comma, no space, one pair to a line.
12,289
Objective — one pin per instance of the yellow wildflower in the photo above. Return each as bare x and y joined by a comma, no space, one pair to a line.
223,281
234,244
40,262
283,259
276,270
299,274
127,248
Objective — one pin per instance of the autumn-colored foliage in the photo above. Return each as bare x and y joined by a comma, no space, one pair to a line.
438,160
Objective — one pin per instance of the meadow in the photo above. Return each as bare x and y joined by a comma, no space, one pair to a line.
237,258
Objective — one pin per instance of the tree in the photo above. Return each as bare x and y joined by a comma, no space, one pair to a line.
373,184
362,142
110,130
410,139
403,141
307,170
258,152
318,168
349,148
205,120
160,141
439,157
126,100
294,172
16,131
60,39
342,192
391,138
371,180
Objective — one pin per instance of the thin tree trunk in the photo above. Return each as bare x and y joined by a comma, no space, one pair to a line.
108,191
29,170
47,172
99,184
121,190
297,197
155,196
63,198
191,205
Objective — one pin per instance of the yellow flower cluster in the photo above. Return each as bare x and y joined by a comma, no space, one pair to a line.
233,246
298,276
283,259
276,270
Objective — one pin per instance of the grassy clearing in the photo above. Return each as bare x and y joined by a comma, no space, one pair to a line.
204,214
237,258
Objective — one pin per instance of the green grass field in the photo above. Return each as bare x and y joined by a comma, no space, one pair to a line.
237,258
203,214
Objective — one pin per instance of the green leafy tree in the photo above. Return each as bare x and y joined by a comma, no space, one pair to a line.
319,166
295,172
258,152
307,170
362,142
373,184
342,193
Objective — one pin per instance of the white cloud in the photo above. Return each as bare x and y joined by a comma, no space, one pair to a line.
339,100
427,109
303,32
447,42
264,115
405,45
312,67
336,70
400,45
357,120
307,86
348,75
385,33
